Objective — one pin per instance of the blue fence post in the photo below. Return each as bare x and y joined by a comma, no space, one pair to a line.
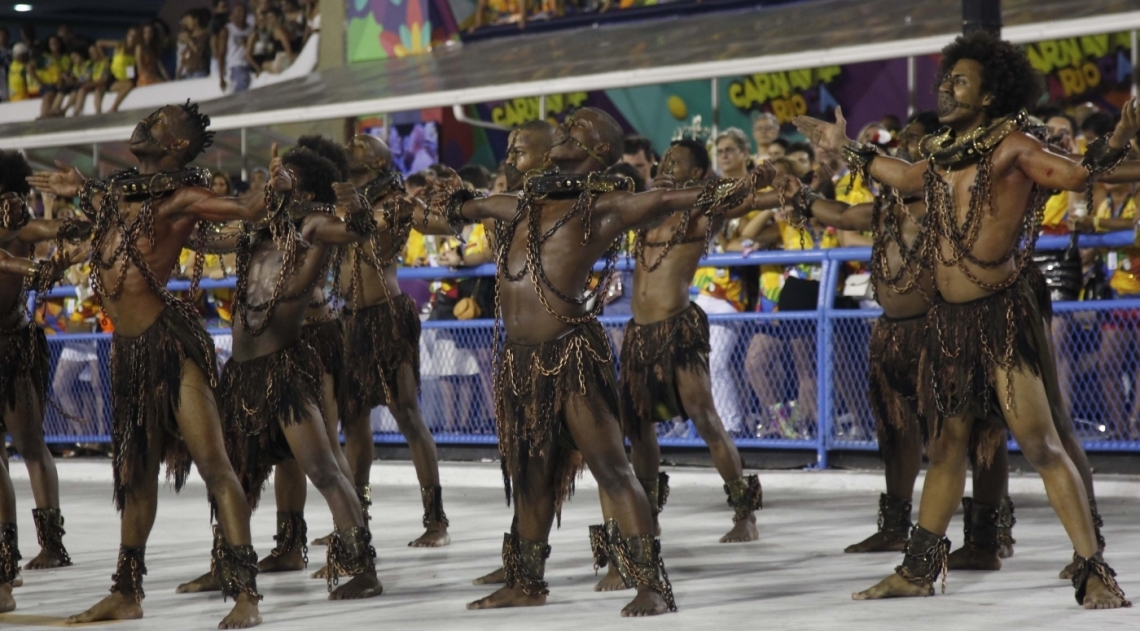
823,360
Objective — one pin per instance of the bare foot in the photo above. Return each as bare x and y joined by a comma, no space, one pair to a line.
115,606
244,614
1070,569
878,542
611,582
7,602
498,577
971,558
289,562
18,581
322,573
435,537
322,541
364,585
1005,552
1099,596
742,531
508,597
894,586
646,603
204,583
46,560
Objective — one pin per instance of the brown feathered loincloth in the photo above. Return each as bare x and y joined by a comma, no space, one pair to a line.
651,355
895,348
532,388
23,365
258,398
146,380
327,338
968,344
378,341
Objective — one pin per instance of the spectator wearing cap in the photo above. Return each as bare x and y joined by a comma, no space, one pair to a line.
22,83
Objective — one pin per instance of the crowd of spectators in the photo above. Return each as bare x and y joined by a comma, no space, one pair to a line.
65,68
500,12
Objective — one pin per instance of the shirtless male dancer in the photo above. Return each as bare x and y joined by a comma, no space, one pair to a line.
555,386
324,332
163,367
24,373
382,336
271,391
987,355
23,348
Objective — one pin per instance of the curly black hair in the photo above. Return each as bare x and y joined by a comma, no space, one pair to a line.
699,152
1006,72
13,169
328,150
196,125
317,173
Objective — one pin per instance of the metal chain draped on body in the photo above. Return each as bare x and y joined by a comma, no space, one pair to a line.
109,220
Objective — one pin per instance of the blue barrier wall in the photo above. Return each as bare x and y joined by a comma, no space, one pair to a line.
762,380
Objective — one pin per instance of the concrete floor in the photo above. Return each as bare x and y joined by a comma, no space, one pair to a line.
795,577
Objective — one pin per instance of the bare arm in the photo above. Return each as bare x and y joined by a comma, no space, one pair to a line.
857,218
900,174
16,265
249,53
760,201
755,226
330,230
203,204
39,230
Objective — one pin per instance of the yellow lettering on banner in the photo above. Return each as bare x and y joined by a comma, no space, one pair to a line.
1037,60
800,79
1094,45
1052,54
518,111
737,94
782,111
1092,74
763,89
1070,52
1072,81
780,86
827,74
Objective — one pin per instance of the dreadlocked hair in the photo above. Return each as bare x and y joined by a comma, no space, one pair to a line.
1006,71
317,173
328,150
198,125
13,169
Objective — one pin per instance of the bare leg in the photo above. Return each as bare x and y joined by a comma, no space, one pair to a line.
1031,422
422,446
121,90
945,481
100,92
601,443
26,425
534,505
7,516
695,389
310,446
991,485
612,581
803,351
901,464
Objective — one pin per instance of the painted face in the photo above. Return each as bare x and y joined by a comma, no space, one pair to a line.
729,156
960,94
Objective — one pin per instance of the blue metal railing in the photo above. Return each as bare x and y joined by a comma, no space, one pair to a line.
772,355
